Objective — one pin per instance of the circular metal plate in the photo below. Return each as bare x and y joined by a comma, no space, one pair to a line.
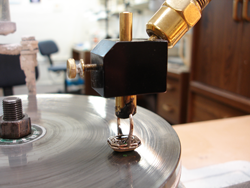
74,151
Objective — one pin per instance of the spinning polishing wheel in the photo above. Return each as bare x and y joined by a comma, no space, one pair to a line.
68,147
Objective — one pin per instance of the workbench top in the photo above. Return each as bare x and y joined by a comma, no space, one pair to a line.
214,142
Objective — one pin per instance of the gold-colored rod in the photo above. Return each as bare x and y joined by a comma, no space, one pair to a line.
126,21
153,38
89,67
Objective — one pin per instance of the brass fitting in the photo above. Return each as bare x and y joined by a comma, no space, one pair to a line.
174,19
73,69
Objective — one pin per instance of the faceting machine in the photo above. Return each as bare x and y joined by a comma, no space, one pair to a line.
125,68
65,145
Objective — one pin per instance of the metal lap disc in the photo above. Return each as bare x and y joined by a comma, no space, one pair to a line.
74,150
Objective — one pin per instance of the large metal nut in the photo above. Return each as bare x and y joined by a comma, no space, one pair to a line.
174,19
189,9
15,129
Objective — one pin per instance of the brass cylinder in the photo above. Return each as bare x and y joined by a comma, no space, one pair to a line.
126,21
125,105
87,67
174,19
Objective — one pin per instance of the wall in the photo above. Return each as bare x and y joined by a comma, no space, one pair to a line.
139,24
66,22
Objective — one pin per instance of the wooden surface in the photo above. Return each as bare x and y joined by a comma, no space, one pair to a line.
205,108
236,101
214,142
77,53
221,49
208,103
172,105
220,70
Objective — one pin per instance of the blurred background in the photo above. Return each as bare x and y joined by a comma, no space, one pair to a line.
75,26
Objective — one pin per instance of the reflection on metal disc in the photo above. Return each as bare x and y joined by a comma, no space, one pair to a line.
74,151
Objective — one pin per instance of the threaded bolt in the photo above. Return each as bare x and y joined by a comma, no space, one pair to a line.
203,3
12,109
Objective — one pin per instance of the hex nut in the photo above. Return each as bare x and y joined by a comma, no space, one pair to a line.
189,10
174,19
15,129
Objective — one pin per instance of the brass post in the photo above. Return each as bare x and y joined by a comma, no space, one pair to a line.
126,21
73,69
125,105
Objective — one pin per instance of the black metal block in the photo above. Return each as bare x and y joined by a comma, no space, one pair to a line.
129,68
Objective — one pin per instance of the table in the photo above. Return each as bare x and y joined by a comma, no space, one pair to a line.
215,153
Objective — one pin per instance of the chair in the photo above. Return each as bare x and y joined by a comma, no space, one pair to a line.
11,73
49,47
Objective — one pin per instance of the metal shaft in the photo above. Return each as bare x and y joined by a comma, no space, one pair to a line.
90,67
126,21
119,130
125,105
131,130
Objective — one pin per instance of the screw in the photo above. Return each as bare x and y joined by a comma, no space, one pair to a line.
12,109
73,69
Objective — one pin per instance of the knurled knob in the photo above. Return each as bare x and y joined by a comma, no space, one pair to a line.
71,68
